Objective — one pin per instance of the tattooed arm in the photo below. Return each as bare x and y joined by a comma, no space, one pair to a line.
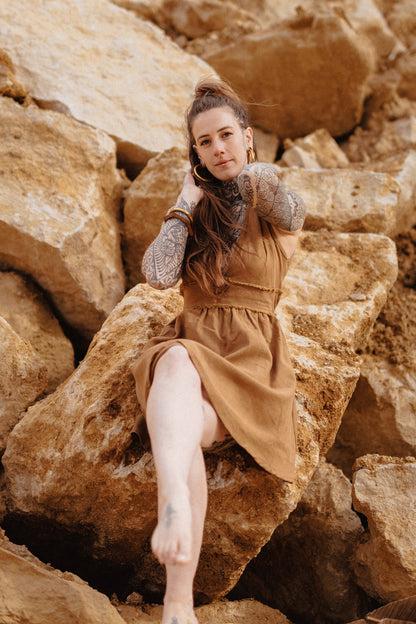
261,187
163,260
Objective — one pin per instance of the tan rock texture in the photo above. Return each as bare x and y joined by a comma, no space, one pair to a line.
32,592
381,415
23,378
315,582
317,150
221,612
88,419
105,67
303,75
346,200
384,559
27,311
59,195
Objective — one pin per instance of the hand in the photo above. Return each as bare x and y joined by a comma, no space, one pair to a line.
191,194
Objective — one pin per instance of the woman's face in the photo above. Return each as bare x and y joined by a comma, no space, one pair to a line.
221,143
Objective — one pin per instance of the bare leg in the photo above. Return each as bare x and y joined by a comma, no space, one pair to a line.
179,422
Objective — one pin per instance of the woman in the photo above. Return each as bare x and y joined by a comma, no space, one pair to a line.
221,370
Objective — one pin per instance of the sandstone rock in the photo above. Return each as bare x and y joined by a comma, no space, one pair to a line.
315,151
402,20
385,558
9,86
221,612
402,168
306,74
381,416
338,313
406,66
59,196
398,611
25,308
346,200
88,419
196,18
23,378
148,199
105,67
266,145
382,139
33,592
304,570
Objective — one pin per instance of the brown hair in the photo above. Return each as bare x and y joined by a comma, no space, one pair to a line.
209,250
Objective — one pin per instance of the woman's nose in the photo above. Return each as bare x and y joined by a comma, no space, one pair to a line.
218,147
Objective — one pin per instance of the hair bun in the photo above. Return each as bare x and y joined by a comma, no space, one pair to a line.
215,87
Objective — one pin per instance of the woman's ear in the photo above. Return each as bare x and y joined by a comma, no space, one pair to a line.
248,133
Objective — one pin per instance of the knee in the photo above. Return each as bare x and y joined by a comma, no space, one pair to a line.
175,363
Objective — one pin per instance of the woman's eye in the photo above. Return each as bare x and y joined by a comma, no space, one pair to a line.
226,134
204,142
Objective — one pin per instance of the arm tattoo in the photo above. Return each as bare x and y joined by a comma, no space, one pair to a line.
261,187
163,260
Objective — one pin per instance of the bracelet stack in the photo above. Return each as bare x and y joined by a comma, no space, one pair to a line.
188,220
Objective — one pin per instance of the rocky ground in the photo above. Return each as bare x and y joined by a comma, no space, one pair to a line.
92,154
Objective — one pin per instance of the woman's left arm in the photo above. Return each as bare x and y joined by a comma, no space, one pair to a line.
261,188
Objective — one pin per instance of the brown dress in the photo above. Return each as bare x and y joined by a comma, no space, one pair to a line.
235,342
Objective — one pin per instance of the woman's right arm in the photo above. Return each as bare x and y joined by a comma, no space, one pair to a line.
163,260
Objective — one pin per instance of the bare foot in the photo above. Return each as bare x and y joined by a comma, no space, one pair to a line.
172,537
178,613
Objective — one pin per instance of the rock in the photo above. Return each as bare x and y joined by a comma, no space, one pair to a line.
148,199
315,151
304,570
266,145
402,20
406,66
338,313
196,18
380,140
9,86
402,168
398,611
346,200
88,419
25,308
386,390
303,75
221,612
105,67
385,557
60,194
32,592
23,377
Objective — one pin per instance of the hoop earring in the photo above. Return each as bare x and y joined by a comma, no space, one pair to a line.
251,156
196,174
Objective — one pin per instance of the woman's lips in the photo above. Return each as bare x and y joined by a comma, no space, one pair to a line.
222,163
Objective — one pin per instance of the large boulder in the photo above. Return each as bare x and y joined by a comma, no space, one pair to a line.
304,570
59,202
105,67
301,75
27,311
220,612
88,420
345,200
385,557
386,390
31,591
23,378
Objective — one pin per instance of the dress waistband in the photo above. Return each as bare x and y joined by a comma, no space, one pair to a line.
240,295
